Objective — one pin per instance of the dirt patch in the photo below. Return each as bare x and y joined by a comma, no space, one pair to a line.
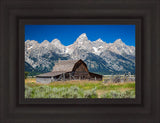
30,80
101,92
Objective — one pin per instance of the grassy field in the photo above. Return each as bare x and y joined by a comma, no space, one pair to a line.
79,89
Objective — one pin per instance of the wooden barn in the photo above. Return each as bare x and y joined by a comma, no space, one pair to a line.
68,70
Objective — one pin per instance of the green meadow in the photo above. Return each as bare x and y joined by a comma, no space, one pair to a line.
79,89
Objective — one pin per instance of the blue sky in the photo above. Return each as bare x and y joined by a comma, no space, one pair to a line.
67,34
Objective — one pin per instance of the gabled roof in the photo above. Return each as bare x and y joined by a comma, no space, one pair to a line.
50,74
65,65
61,67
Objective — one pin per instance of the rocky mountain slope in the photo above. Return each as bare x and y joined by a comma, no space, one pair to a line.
100,57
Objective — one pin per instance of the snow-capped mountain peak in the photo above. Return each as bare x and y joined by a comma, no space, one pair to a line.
82,38
56,42
99,40
118,41
83,35
30,44
45,42
120,47
99,45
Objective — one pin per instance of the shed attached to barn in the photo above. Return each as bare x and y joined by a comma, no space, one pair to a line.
68,70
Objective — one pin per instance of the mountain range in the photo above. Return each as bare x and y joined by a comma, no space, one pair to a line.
100,57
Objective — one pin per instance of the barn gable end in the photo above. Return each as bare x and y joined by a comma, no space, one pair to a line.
81,71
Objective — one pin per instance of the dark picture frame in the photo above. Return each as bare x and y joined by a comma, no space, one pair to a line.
144,14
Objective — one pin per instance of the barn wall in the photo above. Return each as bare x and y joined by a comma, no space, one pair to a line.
44,80
81,67
95,76
81,72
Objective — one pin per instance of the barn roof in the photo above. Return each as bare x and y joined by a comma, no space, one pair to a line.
62,66
65,65
94,74
50,74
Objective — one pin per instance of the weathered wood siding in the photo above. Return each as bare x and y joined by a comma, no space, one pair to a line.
81,71
95,76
